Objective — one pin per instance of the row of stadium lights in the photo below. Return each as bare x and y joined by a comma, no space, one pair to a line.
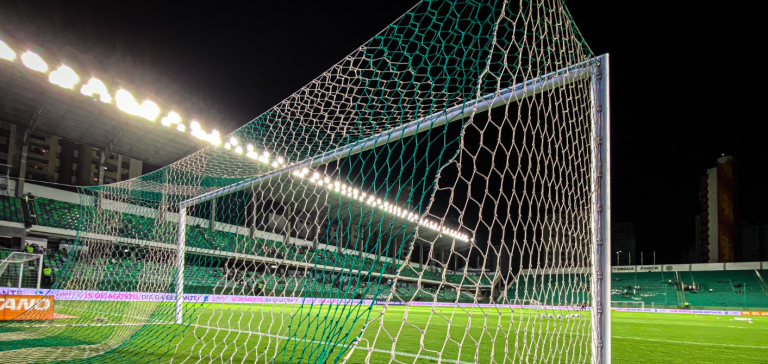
67,78
250,151
371,200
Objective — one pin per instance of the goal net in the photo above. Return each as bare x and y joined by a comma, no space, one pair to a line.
628,304
21,270
440,194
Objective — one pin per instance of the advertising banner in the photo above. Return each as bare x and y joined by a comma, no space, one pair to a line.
754,313
26,307
14,301
624,269
649,268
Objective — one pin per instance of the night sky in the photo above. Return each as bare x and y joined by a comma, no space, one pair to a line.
685,80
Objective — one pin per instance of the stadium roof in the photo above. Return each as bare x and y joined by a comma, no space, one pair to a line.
306,194
46,98
53,98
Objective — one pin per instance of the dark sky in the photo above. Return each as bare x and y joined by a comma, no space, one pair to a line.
686,79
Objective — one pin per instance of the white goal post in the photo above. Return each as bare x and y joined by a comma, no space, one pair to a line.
21,270
594,69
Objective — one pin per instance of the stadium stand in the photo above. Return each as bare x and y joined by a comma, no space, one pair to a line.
65,215
713,289
10,209
722,289
656,289
56,214
550,289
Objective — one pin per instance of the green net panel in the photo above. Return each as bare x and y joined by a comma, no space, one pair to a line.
402,207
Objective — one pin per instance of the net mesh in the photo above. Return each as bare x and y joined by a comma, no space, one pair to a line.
402,207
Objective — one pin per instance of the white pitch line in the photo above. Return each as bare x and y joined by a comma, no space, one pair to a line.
327,343
99,325
692,343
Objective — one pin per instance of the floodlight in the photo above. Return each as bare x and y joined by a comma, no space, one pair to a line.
172,118
149,110
64,77
96,87
34,62
126,102
6,52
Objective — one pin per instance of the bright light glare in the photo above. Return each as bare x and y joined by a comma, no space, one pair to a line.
181,128
195,125
126,102
149,110
6,52
34,62
233,141
64,77
172,118
214,138
96,87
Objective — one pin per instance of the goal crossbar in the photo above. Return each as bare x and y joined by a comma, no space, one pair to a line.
518,92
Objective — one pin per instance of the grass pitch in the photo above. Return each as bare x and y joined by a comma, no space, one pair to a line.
298,334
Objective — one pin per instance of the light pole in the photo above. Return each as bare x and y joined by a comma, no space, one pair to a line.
617,258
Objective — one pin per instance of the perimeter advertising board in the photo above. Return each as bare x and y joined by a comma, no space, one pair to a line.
26,307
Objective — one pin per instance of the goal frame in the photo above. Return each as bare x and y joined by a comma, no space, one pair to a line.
21,275
618,303
596,69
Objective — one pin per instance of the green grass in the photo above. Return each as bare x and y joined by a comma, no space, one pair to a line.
257,333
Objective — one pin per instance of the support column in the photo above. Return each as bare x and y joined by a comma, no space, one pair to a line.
53,147
360,245
25,149
288,225
101,165
212,217
22,170
254,210
339,231
12,147
84,160
119,176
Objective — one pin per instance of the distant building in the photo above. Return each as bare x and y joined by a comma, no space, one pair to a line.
719,226
50,158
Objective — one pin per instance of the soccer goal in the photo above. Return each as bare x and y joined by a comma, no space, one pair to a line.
439,195
628,304
21,270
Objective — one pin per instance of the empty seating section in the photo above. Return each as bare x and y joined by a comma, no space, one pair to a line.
653,289
10,209
66,215
549,289
701,289
470,279
56,214
724,289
